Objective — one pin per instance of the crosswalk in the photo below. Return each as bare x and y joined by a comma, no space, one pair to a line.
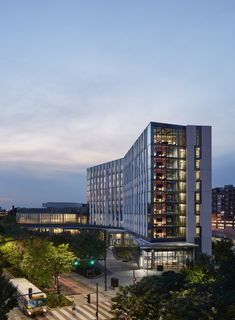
82,312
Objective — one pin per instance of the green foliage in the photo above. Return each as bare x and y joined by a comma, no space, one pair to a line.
84,245
9,227
43,260
145,300
229,312
38,259
8,299
222,251
35,263
11,252
203,271
54,300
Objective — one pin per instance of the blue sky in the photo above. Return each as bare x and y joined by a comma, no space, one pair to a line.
80,80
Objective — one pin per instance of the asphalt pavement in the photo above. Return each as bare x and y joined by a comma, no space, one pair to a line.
125,272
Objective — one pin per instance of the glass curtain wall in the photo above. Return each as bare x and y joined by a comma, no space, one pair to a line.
169,183
171,258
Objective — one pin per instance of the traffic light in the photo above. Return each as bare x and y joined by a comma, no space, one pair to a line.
88,298
91,262
76,263
30,293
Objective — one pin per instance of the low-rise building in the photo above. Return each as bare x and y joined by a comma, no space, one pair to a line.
59,213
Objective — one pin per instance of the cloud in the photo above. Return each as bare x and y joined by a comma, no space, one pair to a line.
79,88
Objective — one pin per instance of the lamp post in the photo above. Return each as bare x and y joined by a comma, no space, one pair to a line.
147,250
97,302
105,260
133,277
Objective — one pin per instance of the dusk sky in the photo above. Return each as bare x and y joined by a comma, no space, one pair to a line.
81,79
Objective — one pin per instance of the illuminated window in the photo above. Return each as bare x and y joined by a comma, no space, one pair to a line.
197,164
197,208
198,232
198,185
197,175
198,197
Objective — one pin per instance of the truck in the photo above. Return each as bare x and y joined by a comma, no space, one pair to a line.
31,300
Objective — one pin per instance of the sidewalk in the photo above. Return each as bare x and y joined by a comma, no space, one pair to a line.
116,268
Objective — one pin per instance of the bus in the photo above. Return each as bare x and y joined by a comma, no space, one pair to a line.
31,300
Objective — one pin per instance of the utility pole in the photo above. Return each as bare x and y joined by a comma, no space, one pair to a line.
97,302
147,265
57,285
133,277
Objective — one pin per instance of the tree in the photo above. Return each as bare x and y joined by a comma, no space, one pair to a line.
194,302
61,257
203,272
43,260
145,300
12,253
224,286
8,298
85,245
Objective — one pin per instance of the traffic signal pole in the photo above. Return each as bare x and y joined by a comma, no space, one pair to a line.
97,302
105,258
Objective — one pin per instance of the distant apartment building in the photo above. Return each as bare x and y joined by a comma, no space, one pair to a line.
223,201
223,207
160,190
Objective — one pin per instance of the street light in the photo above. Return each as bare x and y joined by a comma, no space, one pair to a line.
133,277
105,258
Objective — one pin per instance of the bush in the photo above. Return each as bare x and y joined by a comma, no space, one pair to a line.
54,300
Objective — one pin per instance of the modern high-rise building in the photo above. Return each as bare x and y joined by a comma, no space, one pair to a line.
160,190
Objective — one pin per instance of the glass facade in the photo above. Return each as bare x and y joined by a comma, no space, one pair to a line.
104,193
166,259
169,182
56,216
137,185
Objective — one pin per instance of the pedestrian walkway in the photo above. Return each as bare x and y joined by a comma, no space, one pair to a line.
82,312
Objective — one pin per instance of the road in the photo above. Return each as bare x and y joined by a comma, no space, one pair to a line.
82,312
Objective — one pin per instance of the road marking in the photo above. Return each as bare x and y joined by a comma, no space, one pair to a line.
107,306
84,313
73,314
66,313
102,314
58,315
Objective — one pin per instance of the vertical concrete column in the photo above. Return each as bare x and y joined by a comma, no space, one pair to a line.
190,184
206,205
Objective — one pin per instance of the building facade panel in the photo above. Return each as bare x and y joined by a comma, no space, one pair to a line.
104,193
